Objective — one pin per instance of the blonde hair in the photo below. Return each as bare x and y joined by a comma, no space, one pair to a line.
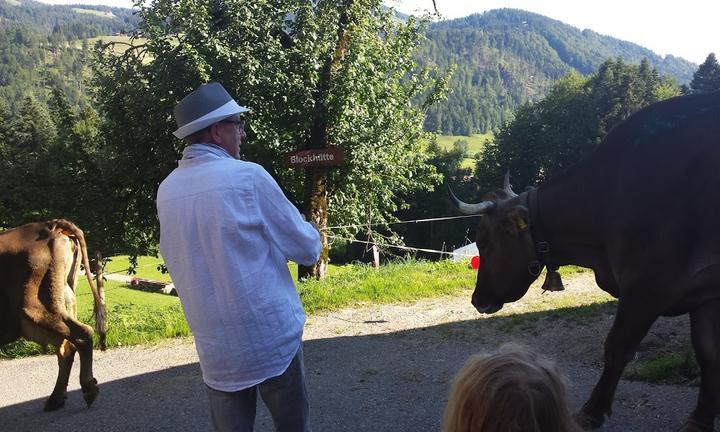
513,390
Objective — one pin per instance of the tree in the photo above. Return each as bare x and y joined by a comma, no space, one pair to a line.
435,203
551,135
707,77
76,162
30,135
52,169
461,146
5,160
315,74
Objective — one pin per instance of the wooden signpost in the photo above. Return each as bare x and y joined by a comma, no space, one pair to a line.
315,162
314,157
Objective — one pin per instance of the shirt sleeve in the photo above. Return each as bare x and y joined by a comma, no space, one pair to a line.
297,239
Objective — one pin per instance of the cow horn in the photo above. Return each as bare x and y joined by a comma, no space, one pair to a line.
506,185
470,209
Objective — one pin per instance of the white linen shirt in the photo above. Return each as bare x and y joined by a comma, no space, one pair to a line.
226,234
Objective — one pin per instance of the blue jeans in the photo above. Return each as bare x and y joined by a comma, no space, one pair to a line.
285,397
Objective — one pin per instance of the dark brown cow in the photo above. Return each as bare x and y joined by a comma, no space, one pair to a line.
39,265
643,212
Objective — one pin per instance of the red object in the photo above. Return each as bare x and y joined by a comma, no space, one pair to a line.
475,262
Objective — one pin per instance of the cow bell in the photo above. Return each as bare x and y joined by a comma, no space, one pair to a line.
553,282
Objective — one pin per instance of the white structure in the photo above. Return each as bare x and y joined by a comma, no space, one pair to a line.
465,253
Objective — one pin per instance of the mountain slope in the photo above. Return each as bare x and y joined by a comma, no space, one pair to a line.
39,47
506,57
74,22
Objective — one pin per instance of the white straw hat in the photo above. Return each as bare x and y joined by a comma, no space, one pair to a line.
208,104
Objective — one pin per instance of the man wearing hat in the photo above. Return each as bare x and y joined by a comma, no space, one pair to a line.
226,234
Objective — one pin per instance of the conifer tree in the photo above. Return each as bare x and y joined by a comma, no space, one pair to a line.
707,77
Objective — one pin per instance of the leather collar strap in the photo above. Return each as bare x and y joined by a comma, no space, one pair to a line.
542,246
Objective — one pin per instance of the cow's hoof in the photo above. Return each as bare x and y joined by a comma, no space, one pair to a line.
55,402
589,421
90,391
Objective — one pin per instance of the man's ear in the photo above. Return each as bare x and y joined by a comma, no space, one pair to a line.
516,220
214,132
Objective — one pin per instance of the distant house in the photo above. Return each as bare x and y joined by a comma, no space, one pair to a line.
465,253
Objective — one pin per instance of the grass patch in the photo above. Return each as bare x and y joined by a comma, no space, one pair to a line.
121,43
475,142
678,367
147,267
571,270
134,317
94,12
114,38
475,145
394,282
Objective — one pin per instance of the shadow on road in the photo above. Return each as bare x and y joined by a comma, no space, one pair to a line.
382,382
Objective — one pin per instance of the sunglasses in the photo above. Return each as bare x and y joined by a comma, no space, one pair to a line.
239,123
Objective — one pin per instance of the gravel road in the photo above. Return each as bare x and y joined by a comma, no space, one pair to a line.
370,368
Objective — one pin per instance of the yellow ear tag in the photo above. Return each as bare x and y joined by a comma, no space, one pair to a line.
521,223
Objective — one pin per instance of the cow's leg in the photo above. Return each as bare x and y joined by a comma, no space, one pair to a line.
66,355
9,330
705,328
46,328
9,322
629,328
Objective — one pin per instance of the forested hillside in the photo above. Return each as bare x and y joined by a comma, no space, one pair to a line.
66,22
507,57
44,47
504,58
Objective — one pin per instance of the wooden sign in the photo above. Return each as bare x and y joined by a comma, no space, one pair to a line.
314,157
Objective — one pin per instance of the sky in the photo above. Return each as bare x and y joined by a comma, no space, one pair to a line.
687,29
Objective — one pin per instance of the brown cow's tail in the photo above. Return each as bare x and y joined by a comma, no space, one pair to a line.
98,294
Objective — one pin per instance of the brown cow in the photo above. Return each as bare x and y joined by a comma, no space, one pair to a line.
643,212
39,265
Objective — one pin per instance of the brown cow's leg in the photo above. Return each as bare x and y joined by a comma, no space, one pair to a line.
47,328
705,327
629,328
66,355
9,331
9,322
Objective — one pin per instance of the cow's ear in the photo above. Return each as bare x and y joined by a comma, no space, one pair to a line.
516,220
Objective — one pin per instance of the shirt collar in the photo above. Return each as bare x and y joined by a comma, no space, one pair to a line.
193,151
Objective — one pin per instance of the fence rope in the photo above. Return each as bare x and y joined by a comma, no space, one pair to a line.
400,222
407,248
401,247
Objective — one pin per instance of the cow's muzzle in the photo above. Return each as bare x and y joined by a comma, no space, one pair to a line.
488,309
